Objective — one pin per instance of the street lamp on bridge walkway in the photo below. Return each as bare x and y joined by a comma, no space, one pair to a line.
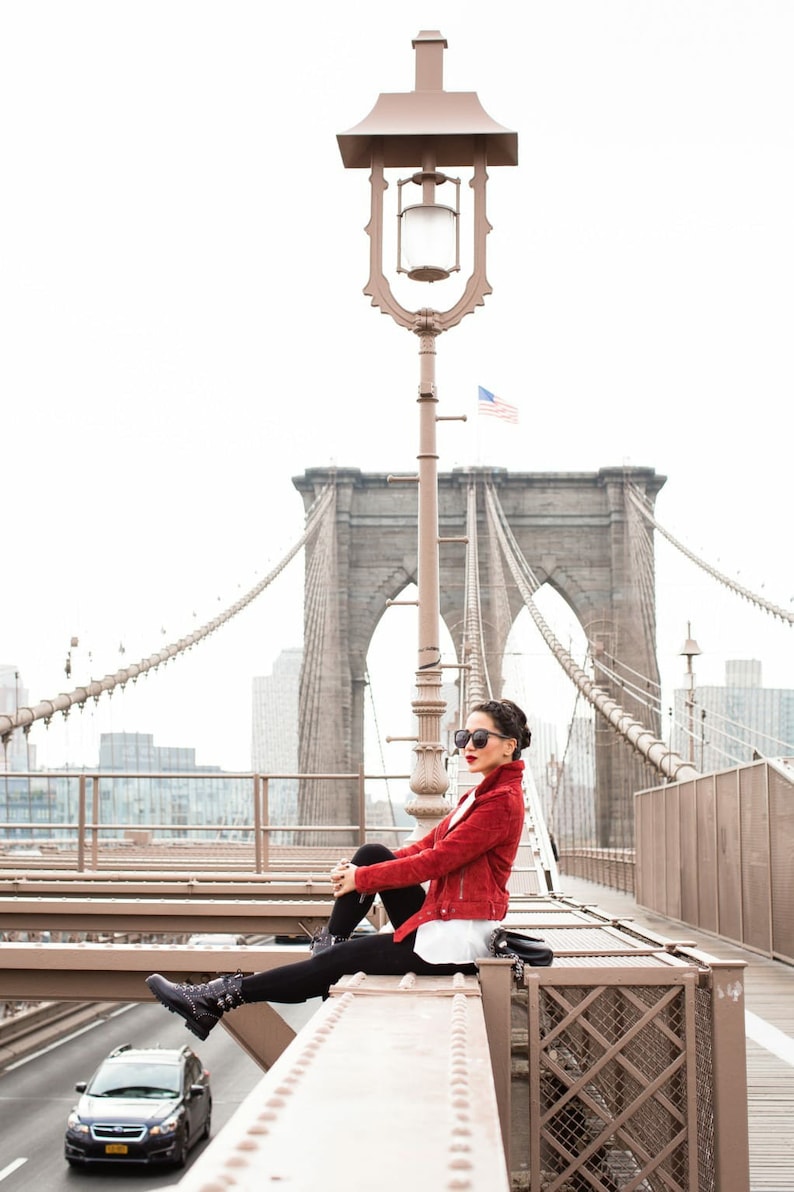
690,650
424,130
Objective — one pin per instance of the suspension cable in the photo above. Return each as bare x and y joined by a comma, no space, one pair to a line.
636,496
652,702
379,740
622,668
640,543
97,687
476,680
642,739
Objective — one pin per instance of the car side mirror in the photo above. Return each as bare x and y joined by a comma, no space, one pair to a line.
197,1090
81,1086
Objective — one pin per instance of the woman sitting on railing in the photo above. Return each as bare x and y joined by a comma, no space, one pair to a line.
467,861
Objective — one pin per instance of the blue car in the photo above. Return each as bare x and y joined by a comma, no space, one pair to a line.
145,1106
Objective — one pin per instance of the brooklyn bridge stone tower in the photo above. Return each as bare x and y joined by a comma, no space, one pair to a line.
571,527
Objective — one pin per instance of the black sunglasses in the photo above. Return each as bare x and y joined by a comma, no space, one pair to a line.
479,738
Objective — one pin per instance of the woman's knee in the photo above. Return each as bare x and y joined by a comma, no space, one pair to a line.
372,854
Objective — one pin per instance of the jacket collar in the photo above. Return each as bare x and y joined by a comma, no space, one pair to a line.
509,772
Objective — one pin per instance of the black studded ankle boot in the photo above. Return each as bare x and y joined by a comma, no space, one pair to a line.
201,1006
321,940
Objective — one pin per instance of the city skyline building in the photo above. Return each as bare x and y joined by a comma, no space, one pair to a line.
176,806
137,798
724,726
274,734
274,750
19,753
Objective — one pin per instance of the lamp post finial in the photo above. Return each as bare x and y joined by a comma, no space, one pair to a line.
429,46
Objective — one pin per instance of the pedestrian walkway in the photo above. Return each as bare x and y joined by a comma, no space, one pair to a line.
769,1023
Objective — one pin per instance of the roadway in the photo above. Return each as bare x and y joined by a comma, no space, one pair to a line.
37,1093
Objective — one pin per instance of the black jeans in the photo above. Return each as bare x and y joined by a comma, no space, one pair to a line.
372,954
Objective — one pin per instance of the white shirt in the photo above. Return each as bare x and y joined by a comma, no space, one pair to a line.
454,941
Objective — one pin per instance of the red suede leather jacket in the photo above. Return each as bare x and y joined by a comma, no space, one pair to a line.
468,865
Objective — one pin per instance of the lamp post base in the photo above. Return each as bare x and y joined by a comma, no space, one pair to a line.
429,811
429,780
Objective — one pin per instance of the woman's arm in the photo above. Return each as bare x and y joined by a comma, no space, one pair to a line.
343,875
491,823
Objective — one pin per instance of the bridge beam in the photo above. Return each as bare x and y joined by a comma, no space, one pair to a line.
414,1047
117,972
157,915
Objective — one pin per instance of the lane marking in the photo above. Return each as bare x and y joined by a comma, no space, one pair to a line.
12,1167
768,1036
58,1042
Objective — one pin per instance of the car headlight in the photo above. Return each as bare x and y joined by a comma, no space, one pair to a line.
166,1127
74,1123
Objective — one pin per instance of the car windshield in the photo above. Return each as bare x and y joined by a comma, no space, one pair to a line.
136,1079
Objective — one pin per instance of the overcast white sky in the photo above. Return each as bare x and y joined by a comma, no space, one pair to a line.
183,330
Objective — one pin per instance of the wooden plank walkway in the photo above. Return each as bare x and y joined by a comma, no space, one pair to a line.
769,994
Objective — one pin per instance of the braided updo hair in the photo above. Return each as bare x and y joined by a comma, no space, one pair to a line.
510,720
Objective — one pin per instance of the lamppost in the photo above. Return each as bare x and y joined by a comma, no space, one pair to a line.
424,130
690,650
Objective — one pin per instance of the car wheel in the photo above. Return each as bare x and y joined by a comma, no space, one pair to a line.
205,1133
180,1159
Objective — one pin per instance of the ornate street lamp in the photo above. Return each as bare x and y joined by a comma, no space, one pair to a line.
424,130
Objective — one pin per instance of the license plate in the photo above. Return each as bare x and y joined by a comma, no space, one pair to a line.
116,1148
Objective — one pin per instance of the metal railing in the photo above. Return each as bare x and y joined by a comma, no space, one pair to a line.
716,853
625,1089
92,830
605,866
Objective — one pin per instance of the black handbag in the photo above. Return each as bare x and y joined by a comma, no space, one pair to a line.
521,948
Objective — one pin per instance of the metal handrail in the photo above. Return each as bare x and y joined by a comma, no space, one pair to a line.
90,827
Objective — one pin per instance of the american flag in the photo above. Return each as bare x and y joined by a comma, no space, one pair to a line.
488,403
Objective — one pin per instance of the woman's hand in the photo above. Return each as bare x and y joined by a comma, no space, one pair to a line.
343,878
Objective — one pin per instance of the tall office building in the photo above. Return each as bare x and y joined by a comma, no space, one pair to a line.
175,802
274,733
724,726
22,800
19,753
